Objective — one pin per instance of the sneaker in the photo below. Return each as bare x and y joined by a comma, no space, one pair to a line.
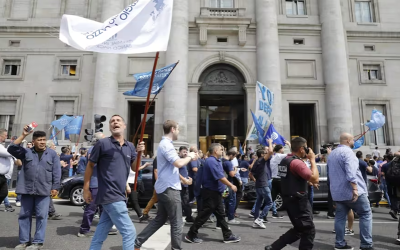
349,232
333,231
87,235
211,219
233,222
258,223
265,220
316,212
398,238
113,231
393,214
268,248
9,209
194,240
331,216
347,247
22,246
251,215
189,221
35,246
237,216
144,217
277,216
18,204
96,216
232,239
55,217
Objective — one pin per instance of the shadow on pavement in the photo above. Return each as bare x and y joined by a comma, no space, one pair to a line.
68,230
116,248
9,242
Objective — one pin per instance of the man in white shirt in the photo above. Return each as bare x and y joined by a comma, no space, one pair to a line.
6,169
376,153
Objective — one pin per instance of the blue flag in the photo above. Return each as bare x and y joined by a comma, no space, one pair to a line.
274,135
74,127
240,149
377,120
359,143
62,122
260,131
143,81
53,136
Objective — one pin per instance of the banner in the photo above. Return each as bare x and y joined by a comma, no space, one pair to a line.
144,26
263,111
62,122
54,136
259,129
143,81
274,135
74,127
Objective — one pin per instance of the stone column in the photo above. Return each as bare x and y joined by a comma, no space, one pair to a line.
268,60
106,77
193,117
176,88
336,75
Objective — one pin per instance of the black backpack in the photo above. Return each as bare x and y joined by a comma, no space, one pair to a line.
393,174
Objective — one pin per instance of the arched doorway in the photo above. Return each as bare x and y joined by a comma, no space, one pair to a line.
222,106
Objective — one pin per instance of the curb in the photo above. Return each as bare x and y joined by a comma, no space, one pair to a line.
14,195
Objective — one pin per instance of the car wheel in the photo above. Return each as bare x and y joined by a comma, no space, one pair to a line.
279,203
76,196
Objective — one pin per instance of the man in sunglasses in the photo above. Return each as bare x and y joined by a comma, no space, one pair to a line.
295,175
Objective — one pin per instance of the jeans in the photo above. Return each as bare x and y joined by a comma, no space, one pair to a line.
6,201
230,204
383,187
300,214
52,210
115,213
363,209
273,203
18,195
186,208
263,193
245,180
30,204
169,207
331,204
151,203
212,204
89,213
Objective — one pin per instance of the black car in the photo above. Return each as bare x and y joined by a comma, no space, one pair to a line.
72,187
320,195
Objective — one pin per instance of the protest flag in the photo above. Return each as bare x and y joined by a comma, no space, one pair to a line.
62,122
274,135
260,131
74,127
241,149
54,136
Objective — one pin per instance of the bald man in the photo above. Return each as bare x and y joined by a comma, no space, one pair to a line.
349,190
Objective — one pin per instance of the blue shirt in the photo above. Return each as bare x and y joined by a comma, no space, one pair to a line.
168,174
343,170
363,168
212,173
113,167
184,172
190,166
37,176
81,165
246,165
259,171
228,167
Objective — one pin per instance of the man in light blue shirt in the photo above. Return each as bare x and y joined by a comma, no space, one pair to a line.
168,186
349,190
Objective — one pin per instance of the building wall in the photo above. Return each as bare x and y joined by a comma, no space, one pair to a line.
35,24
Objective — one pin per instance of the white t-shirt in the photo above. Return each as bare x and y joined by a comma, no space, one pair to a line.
131,177
376,153
275,160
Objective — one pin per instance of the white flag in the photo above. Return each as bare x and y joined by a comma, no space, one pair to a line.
144,26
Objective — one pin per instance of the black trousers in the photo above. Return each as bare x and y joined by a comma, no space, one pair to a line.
212,204
3,188
239,194
300,213
186,208
134,199
191,191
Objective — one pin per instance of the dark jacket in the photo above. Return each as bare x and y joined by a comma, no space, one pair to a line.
37,177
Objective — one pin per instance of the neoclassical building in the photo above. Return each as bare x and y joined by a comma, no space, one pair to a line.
328,62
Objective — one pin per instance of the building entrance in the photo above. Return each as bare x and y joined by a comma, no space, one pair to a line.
302,123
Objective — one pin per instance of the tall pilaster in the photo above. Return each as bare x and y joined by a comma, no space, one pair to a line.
106,77
336,75
268,60
176,88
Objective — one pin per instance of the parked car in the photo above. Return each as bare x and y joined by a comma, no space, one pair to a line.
72,187
320,195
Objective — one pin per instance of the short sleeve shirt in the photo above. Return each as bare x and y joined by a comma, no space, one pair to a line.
113,167
228,167
184,172
190,166
246,165
212,173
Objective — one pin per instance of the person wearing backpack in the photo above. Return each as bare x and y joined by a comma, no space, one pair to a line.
391,173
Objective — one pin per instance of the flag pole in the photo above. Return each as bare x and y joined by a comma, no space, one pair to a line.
137,130
139,156
80,131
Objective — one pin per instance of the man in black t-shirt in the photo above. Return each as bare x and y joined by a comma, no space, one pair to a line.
154,198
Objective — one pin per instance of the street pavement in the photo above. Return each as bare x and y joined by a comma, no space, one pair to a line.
61,235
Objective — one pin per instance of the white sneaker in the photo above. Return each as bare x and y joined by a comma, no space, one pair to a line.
114,227
18,204
233,222
258,224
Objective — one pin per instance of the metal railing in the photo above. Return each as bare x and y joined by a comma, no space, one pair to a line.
223,12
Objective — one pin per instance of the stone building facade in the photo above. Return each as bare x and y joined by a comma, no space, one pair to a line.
329,63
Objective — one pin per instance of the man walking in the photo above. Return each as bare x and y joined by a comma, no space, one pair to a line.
114,157
186,182
214,184
349,190
168,186
6,170
39,177
192,168
230,201
295,175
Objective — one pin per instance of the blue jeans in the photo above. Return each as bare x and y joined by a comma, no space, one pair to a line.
245,180
273,203
30,204
230,204
363,209
383,187
6,201
18,195
263,193
115,213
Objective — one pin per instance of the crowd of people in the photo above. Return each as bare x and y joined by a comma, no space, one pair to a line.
215,180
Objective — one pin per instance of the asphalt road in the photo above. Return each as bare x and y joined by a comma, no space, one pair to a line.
61,235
